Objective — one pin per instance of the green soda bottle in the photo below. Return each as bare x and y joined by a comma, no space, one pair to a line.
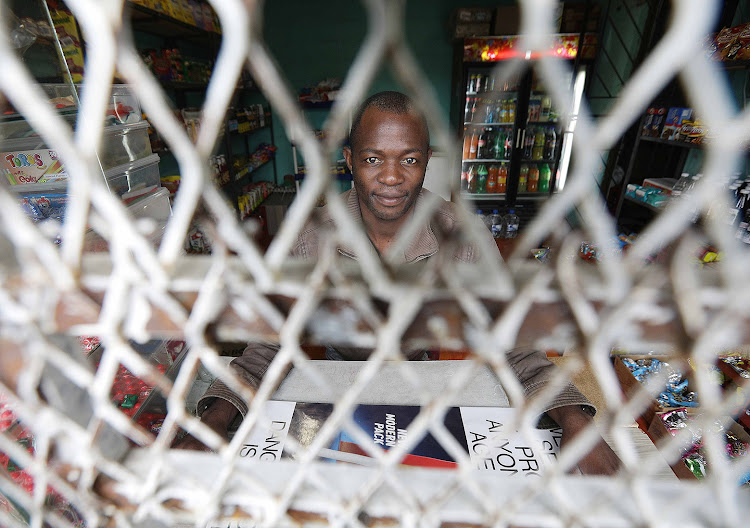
482,179
544,178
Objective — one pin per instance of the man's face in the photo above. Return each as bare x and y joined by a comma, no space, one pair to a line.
388,162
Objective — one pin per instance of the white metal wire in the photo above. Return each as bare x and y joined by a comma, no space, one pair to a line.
113,472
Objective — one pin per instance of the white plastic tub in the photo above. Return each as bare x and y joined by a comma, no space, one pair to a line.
133,175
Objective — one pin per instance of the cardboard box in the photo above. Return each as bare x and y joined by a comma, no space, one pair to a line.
507,20
471,30
629,384
673,122
473,14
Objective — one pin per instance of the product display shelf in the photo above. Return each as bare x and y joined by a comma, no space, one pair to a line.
157,23
671,143
486,160
482,197
643,204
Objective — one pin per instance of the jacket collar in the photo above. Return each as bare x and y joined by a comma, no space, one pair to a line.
424,245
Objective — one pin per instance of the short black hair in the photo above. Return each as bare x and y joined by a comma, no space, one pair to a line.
387,101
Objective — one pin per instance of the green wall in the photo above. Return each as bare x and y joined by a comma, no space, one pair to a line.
312,41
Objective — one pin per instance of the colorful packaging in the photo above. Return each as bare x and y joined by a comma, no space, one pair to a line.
646,130
657,122
32,166
70,41
674,120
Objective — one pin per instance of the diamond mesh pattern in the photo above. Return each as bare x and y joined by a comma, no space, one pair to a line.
113,471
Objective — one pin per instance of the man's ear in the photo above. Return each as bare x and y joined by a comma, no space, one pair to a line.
348,157
429,153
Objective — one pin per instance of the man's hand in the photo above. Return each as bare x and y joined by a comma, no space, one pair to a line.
601,460
218,416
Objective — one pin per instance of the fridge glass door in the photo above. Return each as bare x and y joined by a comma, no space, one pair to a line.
489,120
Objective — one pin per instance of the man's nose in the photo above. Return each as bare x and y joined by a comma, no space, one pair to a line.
392,174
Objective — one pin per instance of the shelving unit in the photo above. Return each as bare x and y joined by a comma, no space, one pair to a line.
158,24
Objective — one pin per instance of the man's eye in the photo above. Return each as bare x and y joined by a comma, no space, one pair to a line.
411,161
371,160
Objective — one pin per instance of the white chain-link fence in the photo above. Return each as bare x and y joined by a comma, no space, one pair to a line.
113,472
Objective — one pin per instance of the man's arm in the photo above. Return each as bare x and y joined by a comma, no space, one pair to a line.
220,406
571,410
600,460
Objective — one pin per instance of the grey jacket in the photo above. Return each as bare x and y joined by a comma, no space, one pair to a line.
532,367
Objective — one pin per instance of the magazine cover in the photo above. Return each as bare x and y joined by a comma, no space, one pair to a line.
485,433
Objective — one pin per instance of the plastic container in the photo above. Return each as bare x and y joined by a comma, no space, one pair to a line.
121,144
124,143
512,223
498,224
133,175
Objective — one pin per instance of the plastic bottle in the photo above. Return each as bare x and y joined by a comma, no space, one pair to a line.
473,144
498,227
544,178
523,178
502,178
508,145
545,108
467,144
498,149
512,110
537,151
528,146
482,144
472,177
550,143
512,223
481,179
681,185
533,184
492,179
485,218
465,178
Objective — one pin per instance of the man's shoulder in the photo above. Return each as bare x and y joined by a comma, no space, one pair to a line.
446,215
318,225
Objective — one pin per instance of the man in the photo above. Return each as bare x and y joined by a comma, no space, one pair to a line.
388,154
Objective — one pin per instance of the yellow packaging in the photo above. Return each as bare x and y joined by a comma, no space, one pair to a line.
187,12
70,41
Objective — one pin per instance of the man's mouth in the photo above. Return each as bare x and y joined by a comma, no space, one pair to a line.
390,200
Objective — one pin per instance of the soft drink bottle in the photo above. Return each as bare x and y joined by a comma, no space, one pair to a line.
465,179
508,145
544,178
550,143
498,229
512,110
472,179
482,144
474,144
482,179
537,152
498,149
492,180
528,143
533,184
523,178
489,144
512,223
467,144
502,178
